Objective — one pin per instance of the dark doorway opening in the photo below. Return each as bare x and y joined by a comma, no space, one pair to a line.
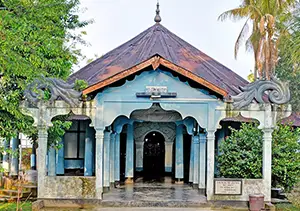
154,157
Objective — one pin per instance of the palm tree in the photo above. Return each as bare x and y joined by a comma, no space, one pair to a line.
263,41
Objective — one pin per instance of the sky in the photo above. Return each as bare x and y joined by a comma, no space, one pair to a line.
196,21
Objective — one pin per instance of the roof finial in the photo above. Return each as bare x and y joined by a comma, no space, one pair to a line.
157,18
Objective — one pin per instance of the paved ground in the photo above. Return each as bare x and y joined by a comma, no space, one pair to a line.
154,195
132,209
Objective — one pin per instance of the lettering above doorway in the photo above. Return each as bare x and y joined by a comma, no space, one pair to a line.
156,92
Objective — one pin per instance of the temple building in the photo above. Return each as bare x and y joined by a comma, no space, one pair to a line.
155,109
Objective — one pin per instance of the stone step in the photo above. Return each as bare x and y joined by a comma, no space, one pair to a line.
14,192
8,197
30,186
167,203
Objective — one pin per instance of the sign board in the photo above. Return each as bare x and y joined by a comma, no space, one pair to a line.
156,92
228,187
156,89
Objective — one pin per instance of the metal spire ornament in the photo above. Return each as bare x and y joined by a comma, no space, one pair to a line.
157,18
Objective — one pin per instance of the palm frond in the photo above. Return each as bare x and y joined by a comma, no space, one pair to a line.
235,14
241,38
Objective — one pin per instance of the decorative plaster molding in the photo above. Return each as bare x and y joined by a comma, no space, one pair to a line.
272,90
156,114
168,130
58,89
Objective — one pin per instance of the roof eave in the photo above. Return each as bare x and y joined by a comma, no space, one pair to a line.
155,62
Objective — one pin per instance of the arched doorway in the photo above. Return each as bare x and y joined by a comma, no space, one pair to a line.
154,156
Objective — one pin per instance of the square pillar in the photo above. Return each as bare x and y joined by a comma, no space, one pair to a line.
129,166
14,164
41,165
196,160
106,165
179,154
112,159
139,150
267,162
5,162
60,158
168,156
99,162
191,169
52,161
88,152
117,158
202,162
210,164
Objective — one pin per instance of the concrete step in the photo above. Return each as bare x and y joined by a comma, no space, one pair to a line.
167,203
29,186
14,192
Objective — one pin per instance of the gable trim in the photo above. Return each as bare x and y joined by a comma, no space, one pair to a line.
155,62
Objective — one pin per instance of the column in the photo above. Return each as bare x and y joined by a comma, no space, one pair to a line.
52,161
5,163
60,158
267,162
196,160
169,156
14,165
210,164
129,155
33,156
106,164
117,158
179,154
112,159
99,162
88,152
139,155
202,162
42,152
191,169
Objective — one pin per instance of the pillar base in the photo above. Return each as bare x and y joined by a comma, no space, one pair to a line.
129,180
179,181
105,189
195,186
202,191
112,185
117,184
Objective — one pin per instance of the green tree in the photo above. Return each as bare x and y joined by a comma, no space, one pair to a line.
265,18
288,68
36,38
285,157
241,153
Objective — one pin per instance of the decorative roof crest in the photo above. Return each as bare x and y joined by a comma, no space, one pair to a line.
157,18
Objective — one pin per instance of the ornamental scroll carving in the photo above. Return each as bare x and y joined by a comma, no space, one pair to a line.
58,89
272,91
166,129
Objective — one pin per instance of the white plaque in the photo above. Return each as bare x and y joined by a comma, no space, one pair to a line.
228,187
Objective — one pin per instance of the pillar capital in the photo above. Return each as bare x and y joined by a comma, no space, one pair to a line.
267,134
196,139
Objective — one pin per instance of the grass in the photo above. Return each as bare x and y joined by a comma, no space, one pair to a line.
286,207
13,206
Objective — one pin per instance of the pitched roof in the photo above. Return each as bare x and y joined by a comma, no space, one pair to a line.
158,40
293,119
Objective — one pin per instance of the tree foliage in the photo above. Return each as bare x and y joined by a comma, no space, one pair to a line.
36,38
241,155
265,17
288,68
285,157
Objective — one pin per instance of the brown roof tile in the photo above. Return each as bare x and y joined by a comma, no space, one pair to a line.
157,40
